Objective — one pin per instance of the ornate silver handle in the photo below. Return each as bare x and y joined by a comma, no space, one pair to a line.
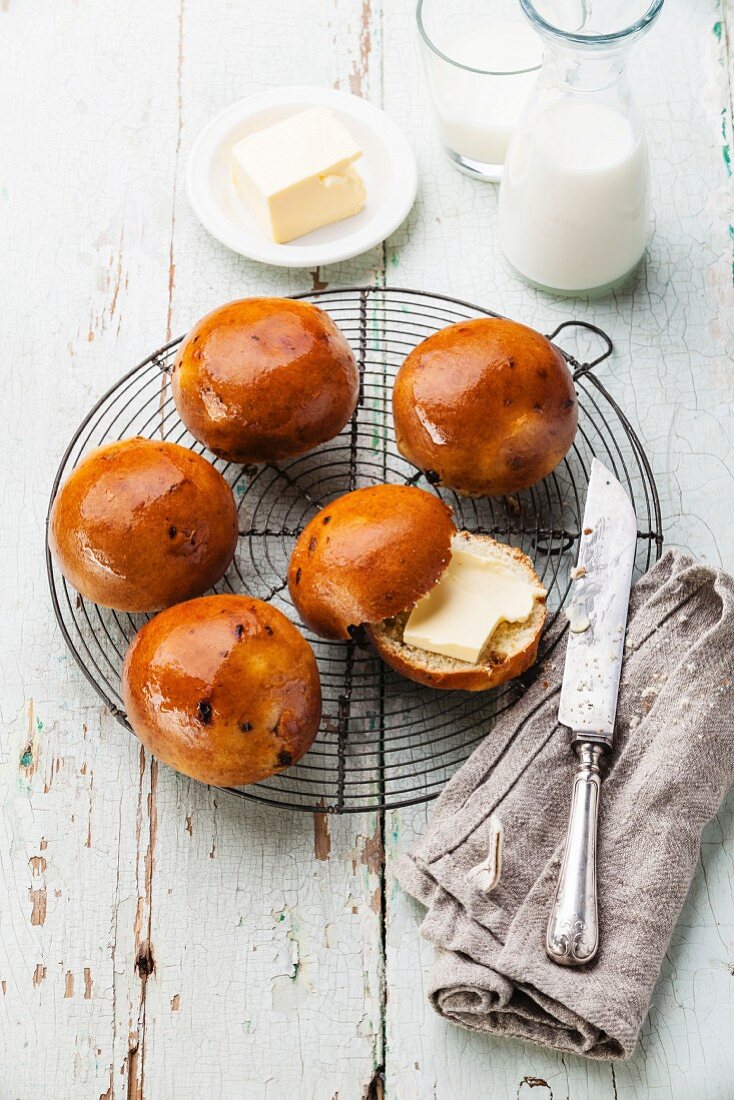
573,928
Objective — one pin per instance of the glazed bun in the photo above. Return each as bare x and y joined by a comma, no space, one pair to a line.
485,407
262,379
367,556
224,689
140,525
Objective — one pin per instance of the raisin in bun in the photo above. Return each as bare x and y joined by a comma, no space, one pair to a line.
224,689
140,525
262,379
485,407
369,555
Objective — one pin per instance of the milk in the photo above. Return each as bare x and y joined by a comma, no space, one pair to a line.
574,195
477,111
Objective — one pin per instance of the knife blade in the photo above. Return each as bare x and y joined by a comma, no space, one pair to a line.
598,611
588,704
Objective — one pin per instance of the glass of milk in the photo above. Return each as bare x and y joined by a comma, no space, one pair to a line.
573,209
482,60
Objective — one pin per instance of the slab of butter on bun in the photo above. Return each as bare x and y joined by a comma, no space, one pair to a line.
485,407
475,594
298,174
389,558
479,627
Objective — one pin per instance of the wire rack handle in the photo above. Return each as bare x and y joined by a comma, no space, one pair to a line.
584,368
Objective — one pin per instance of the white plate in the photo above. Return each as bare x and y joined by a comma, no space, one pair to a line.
387,166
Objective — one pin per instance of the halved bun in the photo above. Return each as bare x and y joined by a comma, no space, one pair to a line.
512,648
367,556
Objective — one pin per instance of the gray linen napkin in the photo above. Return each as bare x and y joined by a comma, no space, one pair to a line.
672,763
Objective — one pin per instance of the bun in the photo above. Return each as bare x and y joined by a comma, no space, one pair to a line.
486,406
367,556
511,650
140,525
223,689
262,379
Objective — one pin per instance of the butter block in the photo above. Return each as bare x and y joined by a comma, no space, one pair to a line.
299,174
459,616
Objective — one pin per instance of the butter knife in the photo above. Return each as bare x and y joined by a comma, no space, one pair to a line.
597,620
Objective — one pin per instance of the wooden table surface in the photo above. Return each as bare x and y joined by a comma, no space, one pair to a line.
286,961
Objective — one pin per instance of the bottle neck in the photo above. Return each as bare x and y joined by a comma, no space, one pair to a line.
583,70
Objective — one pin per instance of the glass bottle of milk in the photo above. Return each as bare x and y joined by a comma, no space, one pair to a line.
573,209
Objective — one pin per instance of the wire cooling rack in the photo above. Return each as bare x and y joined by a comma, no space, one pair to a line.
384,741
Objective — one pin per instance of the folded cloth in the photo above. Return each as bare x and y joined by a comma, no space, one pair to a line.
672,762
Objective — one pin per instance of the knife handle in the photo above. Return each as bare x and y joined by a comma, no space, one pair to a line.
573,928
